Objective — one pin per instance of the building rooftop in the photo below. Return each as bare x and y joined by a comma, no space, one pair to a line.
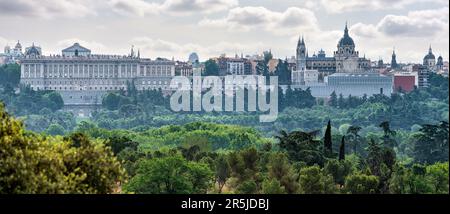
346,40
76,47
356,74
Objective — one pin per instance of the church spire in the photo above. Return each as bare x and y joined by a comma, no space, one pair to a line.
394,64
301,40
346,28
430,50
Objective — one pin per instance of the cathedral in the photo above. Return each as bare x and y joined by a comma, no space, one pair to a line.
345,60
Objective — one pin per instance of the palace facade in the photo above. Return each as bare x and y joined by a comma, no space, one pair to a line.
83,78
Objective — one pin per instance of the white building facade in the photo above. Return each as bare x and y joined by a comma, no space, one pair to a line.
235,67
301,75
82,79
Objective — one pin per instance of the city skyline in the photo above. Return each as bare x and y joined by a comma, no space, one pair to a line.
175,28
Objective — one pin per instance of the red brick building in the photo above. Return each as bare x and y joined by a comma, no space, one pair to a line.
404,81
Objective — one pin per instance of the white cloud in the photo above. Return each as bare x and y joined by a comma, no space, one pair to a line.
363,30
193,6
291,21
133,7
173,7
83,8
423,23
46,8
342,6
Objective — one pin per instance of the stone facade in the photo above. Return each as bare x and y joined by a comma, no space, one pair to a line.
83,79
345,60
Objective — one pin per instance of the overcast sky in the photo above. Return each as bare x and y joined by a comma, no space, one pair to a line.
175,28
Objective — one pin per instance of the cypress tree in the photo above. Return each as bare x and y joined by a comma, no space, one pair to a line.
327,141
342,150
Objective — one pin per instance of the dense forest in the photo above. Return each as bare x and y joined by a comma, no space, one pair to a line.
135,144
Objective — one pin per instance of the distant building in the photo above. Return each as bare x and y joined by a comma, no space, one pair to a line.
404,82
423,73
235,66
272,64
302,75
354,84
7,50
183,69
11,56
380,64
17,51
76,50
33,51
440,64
193,59
346,59
311,76
83,78
429,60
394,64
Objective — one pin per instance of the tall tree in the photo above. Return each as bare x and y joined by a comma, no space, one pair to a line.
374,157
302,146
211,68
342,149
388,136
313,181
262,69
328,145
282,71
354,137
361,184
432,143
222,171
267,56
341,101
281,170
333,102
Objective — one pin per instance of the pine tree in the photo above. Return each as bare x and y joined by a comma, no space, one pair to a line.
341,101
342,150
333,100
327,141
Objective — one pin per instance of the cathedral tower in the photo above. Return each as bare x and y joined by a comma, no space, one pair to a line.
394,64
301,54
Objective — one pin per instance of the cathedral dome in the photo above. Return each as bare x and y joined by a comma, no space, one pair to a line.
193,58
430,55
33,51
346,40
18,45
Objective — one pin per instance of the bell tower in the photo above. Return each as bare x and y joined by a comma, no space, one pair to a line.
301,54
